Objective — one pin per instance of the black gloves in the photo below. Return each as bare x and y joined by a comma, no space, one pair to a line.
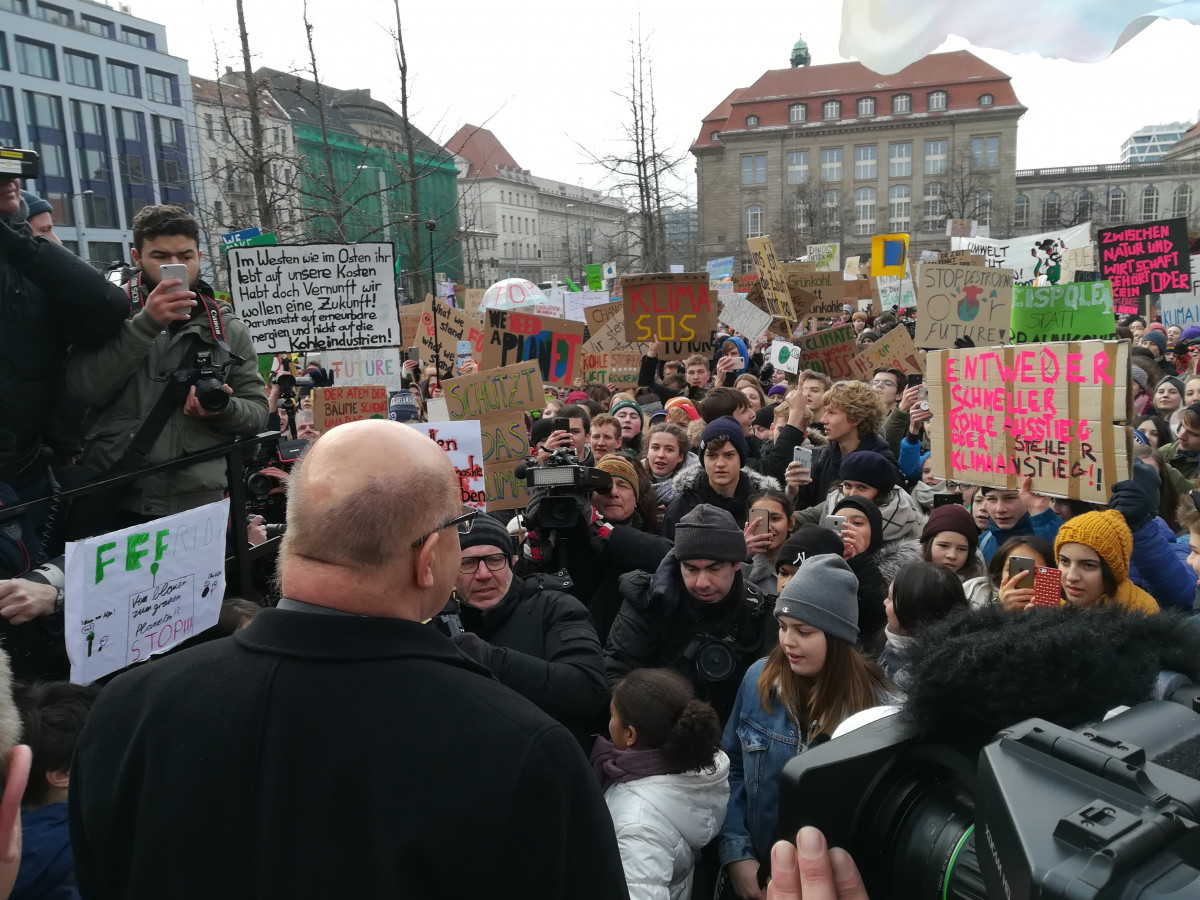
474,648
1137,498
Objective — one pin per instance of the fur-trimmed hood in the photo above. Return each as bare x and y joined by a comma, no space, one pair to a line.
902,516
894,556
690,479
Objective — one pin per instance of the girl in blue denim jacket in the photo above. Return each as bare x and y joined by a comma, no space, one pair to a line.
806,687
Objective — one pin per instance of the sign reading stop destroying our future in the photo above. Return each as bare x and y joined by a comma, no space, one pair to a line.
499,400
963,301
1056,413
671,307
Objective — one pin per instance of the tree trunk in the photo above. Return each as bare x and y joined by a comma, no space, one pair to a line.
266,215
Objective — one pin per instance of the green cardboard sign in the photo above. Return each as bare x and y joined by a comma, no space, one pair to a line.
270,239
595,277
1063,312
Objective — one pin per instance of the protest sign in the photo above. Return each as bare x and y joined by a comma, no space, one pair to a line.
513,337
470,299
452,327
611,336
463,443
611,366
351,368
961,228
1026,255
672,307
825,257
577,301
963,301
133,593
830,351
1151,258
598,316
1062,312
499,400
889,291
894,350
410,323
316,296
777,299
959,258
785,356
908,293
1183,309
334,406
1054,412
743,317
1075,259
595,276
719,269
852,267
889,254
814,293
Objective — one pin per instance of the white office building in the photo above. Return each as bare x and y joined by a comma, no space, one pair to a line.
1147,145
95,92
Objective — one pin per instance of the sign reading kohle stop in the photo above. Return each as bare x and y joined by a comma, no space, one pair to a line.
316,296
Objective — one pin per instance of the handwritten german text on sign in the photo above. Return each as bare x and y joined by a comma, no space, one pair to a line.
463,443
1151,258
1063,312
334,406
514,337
1183,309
963,301
316,296
745,318
672,307
1026,256
1053,412
774,283
830,351
498,400
826,257
894,350
143,590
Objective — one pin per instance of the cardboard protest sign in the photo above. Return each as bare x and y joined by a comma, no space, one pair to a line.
830,351
1151,258
1075,259
577,301
611,366
742,316
1062,312
595,277
1027,256
498,400
961,228
786,356
597,316
851,269
825,257
316,296
894,350
771,276
889,254
1183,309
470,298
889,291
463,443
513,337
814,293
963,301
452,327
410,323
720,269
351,368
1055,412
140,591
671,307
333,406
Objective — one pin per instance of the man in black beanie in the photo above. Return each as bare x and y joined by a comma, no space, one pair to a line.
534,638
695,614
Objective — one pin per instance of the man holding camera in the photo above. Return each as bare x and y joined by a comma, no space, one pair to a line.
180,377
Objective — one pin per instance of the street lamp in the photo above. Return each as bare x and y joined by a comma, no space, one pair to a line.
570,206
431,226
77,209
383,209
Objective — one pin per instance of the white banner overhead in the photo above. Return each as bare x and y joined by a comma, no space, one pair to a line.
1031,256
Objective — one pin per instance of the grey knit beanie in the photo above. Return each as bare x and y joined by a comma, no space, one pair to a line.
709,532
824,594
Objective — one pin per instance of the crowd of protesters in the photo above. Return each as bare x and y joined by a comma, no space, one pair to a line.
610,694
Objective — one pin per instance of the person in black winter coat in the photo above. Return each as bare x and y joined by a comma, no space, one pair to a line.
722,479
695,614
534,638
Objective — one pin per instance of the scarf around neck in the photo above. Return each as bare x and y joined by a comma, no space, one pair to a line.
613,766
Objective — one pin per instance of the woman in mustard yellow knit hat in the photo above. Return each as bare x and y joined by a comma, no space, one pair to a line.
1093,552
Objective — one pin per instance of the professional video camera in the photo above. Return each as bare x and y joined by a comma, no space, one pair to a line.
562,482
259,499
208,379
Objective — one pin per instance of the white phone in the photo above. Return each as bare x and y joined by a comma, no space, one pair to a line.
174,270
835,523
803,455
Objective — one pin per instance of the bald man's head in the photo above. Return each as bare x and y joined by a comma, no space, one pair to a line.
365,492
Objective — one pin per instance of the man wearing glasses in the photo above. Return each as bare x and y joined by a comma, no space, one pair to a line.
534,638
338,746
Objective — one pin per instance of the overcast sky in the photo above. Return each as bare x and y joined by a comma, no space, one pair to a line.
546,76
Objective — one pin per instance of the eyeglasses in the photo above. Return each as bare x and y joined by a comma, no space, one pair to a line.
494,561
957,486
463,522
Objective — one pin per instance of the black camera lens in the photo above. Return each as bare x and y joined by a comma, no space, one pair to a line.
211,394
715,661
259,485
286,381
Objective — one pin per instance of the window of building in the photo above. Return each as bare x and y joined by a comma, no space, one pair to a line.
936,154
754,221
986,99
866,106
100,27
170,159
899,207
937,100
104,253
1116,205
831,164
983,207
160,88
832,109
801,215
1083,206
1181,204
901,103
137,38
934,212
1051,210
17,6
1021,211
751,121
900,160
865,162
49,137
754,169
8,116
56,15
122,79
1149,203
36,59
797,167
831,210
89,118
715,136
985,152
208,127
798,112
864,211
82,69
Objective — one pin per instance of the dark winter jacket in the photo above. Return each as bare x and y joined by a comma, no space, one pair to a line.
648,378
50,300
347,750
661,624
545,648
827,464
47,869
1157,569
692,489
1045,525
